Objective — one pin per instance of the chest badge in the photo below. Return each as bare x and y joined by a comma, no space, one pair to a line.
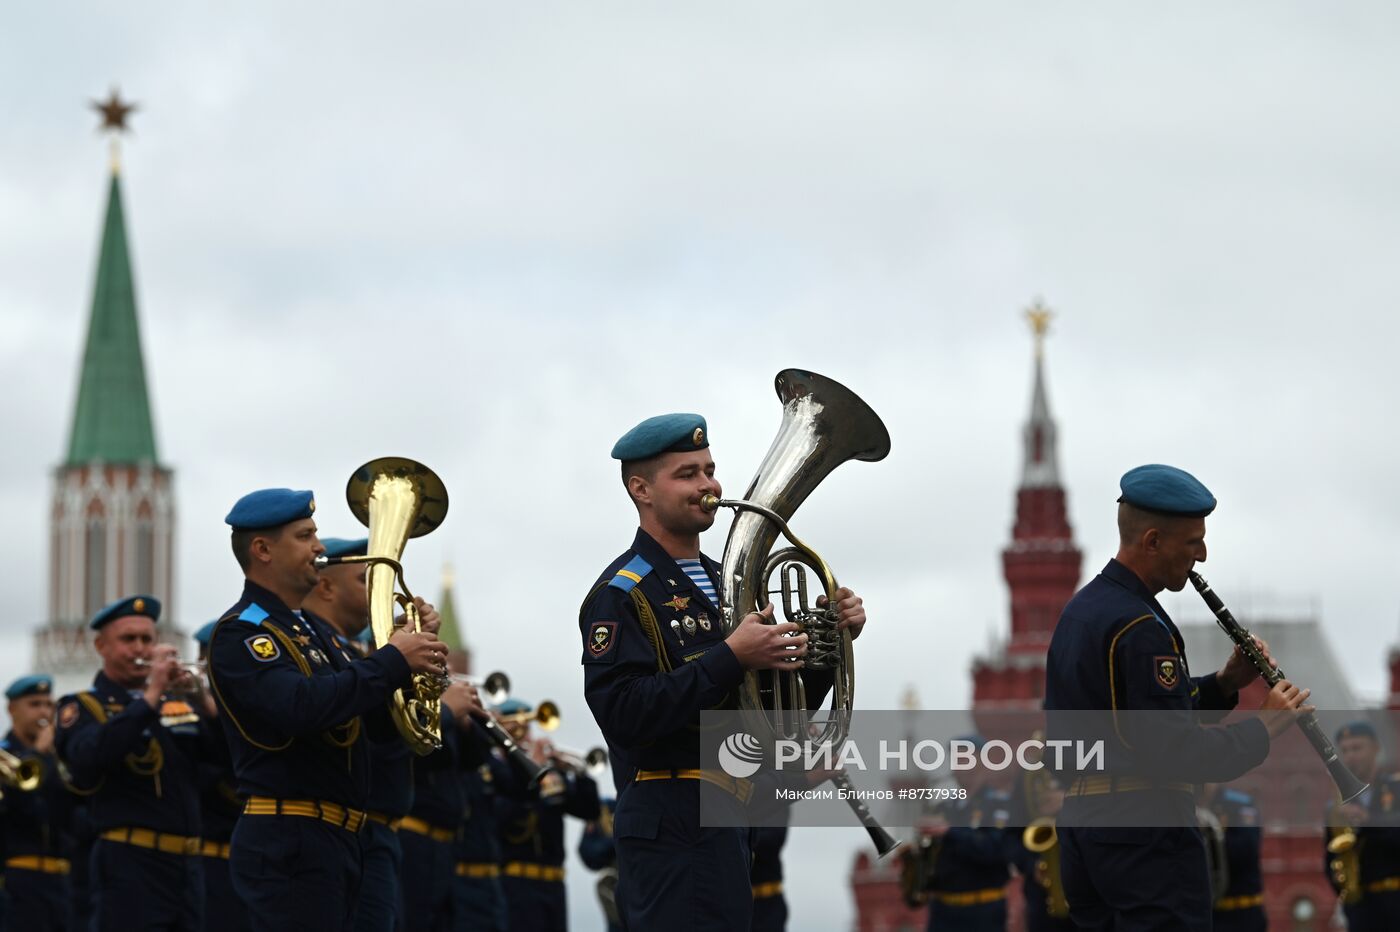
689,624
1168,673
303,639
679,603
676,627
704,621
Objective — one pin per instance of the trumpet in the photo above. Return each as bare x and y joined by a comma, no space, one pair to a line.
21,773
594,762
194,668
546,716
494,686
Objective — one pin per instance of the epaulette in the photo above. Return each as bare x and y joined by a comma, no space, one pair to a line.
631,574
254,613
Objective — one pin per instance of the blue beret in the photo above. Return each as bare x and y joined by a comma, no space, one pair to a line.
343,547
38,685
146,605
202,636
1166,490
270,508
514,707
1360,729
665,433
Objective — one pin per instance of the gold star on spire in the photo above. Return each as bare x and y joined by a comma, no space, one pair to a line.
1039,316
115,112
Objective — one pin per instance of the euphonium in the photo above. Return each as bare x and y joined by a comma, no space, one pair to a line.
22,773
824,425
397,499
1040,838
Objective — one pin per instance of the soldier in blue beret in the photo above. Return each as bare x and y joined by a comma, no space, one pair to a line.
1115,648
135,745
1362,855
655,654
38,842
219,810
532,828
293,703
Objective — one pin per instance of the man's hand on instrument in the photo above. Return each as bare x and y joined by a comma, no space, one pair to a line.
760,645
851,609
428,618
1282,706
165,667
422,649
1239,671
463,699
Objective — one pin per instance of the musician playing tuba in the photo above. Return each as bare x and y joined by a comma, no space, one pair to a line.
293,706
655,654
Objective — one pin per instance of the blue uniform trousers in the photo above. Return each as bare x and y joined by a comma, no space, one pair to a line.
428,869
1129,879
535,905
37,901
171,889
295,873
223,910
380,908
478,905
980,917
674,874
770,913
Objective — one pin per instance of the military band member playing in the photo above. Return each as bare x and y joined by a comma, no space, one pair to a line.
479,902
291,706
37,839
970,869
1363,853
532,830
655,654
1115,648
135,749
219,809
341,601
1240,905
1036,797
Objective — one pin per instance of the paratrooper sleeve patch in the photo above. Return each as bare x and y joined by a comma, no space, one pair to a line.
263,648
602,635
68,714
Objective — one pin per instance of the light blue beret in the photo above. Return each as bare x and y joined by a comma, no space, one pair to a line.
1166,490
146,605
665,433
344,547
41,684
514,707
270,508
1358,729
202,636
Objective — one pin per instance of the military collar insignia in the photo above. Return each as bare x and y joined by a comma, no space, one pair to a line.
679,603
601,637
1167,671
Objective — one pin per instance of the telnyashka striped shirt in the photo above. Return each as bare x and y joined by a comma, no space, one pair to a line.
696,571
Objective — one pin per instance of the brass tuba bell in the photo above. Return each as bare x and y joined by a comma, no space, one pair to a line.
396,499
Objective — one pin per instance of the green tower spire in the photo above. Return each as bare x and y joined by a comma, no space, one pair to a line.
112,420
448,632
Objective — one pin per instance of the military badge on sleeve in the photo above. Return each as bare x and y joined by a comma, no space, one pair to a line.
1168,671
601,637
68,714
263,647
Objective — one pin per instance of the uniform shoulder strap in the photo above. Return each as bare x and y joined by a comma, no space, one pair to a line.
627,578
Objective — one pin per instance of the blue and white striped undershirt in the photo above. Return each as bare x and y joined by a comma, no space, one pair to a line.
696,571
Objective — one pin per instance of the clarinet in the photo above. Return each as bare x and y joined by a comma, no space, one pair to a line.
1347,783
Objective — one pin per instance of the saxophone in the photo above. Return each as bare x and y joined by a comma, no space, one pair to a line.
1345,863
1040,838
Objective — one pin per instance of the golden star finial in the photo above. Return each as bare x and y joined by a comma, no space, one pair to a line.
1039,315
114,112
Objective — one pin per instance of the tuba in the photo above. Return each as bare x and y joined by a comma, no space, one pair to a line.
824,425
397,499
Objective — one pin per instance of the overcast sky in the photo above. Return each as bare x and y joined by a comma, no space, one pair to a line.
492,237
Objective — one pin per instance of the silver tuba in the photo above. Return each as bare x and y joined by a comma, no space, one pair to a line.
824,425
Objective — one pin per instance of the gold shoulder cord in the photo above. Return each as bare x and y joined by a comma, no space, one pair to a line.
350,731
645,616
228,710
89,702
